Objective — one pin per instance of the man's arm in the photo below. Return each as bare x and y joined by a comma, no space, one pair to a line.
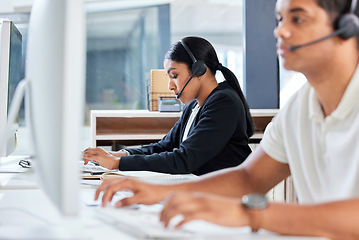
334,220
259,173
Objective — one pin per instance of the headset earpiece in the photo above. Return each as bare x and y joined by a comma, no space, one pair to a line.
349,26
198,67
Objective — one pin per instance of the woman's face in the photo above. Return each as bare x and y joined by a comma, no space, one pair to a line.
179,74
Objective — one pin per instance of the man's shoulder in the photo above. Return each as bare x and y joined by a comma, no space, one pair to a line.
296,107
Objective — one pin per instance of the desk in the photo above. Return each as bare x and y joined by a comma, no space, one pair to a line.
27,213
129,127
117,128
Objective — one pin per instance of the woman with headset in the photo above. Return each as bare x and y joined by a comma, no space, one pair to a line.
215,125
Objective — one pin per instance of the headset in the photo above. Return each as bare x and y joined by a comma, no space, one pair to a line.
198,67
347,27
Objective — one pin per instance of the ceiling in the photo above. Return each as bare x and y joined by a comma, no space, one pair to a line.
219,19
197,16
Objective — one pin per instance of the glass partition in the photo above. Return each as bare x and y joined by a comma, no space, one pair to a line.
122,48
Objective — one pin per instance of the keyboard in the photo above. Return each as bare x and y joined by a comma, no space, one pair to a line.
91,167
152,177
87,197
172,179
143,223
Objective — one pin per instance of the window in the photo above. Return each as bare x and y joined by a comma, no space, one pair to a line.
122,47
125,44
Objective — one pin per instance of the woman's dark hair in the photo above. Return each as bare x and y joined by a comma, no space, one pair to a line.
337,8
203,50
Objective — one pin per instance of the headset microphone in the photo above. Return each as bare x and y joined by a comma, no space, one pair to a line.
180,93
198,67
295,47
348,26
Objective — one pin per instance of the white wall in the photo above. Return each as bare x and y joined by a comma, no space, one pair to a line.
13,6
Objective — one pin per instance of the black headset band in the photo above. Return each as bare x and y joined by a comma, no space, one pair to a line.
188,51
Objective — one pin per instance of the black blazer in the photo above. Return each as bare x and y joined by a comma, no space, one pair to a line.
217,139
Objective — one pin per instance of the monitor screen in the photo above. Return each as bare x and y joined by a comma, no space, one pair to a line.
16,67
11,72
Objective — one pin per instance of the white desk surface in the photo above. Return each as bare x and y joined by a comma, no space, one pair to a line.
26,213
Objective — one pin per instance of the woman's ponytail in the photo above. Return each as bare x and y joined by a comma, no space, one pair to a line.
233,82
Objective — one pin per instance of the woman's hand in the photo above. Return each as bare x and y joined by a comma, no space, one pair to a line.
212,208
103,158
143,193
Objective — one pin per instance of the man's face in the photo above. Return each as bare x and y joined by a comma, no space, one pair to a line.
300,22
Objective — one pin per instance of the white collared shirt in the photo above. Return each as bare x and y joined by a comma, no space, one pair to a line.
190,121
322,153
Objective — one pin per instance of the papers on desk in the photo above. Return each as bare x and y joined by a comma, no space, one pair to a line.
146,176
91,182
140,175
151,177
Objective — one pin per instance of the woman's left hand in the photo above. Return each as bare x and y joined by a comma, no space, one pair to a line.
212,208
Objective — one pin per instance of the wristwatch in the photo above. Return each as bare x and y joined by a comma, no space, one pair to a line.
255,203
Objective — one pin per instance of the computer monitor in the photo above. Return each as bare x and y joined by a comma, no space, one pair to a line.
11,72
55,69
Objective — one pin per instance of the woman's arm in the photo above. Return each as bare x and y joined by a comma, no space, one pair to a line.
111,159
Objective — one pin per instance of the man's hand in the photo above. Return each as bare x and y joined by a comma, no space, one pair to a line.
143,193
212,208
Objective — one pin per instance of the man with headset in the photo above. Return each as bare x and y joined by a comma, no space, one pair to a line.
314,138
